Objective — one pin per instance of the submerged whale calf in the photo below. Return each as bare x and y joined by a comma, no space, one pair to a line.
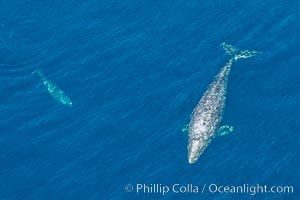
207,115
57,93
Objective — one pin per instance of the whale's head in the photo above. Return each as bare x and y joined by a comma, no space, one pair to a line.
69,103
66,101
195,149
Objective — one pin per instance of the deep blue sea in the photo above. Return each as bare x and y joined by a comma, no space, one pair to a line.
135,71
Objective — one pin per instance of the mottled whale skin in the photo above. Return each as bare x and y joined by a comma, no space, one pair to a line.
57,93
207,115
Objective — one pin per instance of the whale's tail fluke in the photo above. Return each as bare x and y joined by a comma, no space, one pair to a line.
39,73
237,53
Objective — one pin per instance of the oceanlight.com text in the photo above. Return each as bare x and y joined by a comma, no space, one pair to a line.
250,189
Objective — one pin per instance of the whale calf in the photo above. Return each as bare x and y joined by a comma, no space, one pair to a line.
207,115
57,93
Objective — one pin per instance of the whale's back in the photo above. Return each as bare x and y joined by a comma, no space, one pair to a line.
208,113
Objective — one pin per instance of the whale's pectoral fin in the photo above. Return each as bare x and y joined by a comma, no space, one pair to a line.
224,130
185,129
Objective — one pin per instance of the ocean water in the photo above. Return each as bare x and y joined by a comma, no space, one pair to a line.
135,70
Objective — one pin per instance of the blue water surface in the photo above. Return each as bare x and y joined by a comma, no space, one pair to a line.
135,70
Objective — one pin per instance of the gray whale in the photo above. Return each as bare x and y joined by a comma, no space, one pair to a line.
207,115
57,93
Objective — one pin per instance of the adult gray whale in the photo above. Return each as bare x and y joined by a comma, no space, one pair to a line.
207,115
57,93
